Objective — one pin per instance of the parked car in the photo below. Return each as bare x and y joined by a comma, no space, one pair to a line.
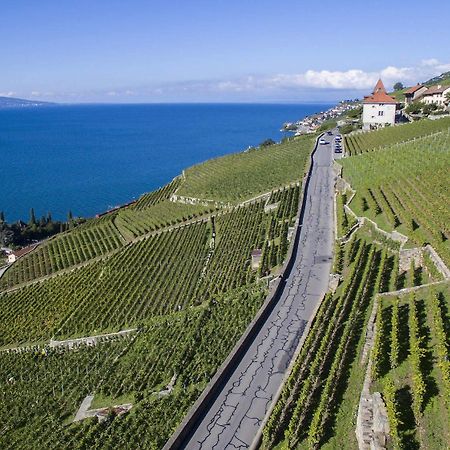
330,133
322,141
338,150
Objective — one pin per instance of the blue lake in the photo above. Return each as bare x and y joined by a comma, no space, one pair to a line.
88,158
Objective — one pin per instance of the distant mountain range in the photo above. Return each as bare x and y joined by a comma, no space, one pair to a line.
10,102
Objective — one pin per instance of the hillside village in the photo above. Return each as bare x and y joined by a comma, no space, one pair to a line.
379,109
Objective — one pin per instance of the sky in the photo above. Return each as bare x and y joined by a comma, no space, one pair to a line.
217,51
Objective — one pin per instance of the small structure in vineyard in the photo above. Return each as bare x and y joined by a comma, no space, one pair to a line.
256,258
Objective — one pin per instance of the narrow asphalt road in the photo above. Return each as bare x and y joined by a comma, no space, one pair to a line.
234,418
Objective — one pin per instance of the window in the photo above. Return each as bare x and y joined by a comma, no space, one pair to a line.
381,113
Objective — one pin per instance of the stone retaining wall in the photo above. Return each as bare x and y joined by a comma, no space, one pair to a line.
372,425
438,262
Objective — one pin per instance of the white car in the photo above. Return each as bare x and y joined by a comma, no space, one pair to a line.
322,141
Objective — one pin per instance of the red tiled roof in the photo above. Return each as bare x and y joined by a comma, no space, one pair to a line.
436,90
379,87
24,251
413,89
379,95
379,98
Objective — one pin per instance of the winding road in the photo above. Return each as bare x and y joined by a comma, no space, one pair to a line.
233,420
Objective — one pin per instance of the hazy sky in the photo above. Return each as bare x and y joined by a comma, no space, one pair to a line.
213,50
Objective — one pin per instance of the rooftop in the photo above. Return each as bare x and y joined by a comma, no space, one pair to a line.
436,90
413,89
379,95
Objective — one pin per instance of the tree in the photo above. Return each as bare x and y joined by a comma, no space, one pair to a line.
267,142
429,108
355,113
32,217
347,128
414,108
398,86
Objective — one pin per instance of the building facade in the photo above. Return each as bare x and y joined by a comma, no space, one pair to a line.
379,109
414,93
436,95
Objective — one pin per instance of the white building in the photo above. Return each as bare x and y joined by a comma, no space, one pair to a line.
379,108
436,94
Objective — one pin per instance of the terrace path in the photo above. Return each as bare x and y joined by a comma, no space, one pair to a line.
236,414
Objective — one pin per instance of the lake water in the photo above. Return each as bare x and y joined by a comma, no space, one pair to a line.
88,158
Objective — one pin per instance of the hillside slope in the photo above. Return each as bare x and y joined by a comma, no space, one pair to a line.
398,179
11,102
177,277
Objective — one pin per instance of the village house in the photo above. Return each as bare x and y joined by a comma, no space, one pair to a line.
436,94
414,93
379,109
15,255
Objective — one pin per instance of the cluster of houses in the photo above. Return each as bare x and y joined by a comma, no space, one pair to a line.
381,109
311,123
433,94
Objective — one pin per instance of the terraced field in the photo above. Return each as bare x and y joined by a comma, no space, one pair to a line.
155,276
365,142
411,366
401,187
95,238
240,176
405,187
133,222
187,285
321,395
182,275
179,273
43,389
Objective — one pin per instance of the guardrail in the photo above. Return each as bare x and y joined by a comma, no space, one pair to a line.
211,392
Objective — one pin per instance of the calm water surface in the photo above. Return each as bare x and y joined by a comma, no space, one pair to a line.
88,158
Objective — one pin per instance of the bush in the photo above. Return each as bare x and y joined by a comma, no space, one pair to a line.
328,125
345,129
267,143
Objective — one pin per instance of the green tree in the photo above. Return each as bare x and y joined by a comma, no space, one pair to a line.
355,113
32,217
398,86
414,108
267,142
347,128
429,108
